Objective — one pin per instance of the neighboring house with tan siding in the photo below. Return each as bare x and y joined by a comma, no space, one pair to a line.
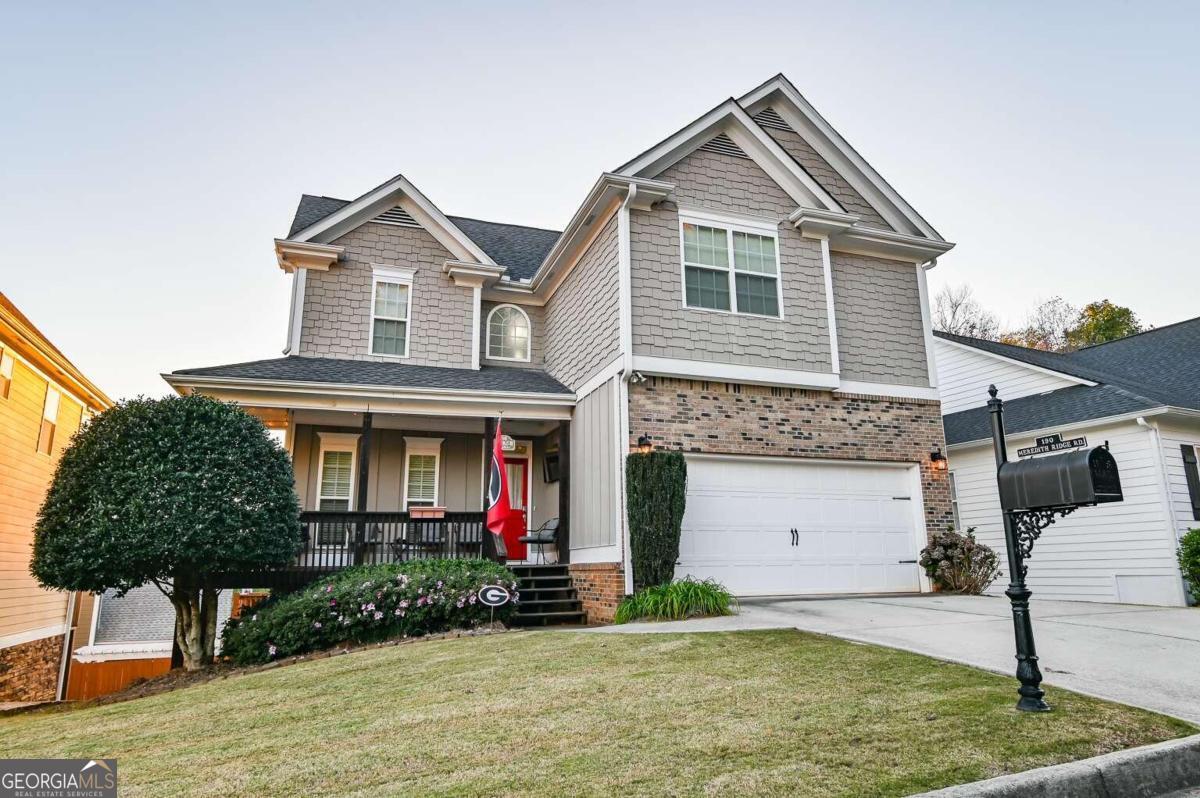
44,399
748,291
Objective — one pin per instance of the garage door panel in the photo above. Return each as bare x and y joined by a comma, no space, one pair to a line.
852,531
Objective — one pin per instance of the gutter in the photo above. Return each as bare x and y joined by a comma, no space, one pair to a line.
1033,433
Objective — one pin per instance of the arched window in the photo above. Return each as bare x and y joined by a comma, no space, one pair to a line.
507,333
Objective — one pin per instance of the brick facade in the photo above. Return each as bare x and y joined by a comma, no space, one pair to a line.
29,671
600,586
731,418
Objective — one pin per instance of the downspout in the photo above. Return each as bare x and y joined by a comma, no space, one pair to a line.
67,645
1161,472
625,316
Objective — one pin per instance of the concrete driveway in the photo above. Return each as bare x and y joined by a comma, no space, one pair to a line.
1146,656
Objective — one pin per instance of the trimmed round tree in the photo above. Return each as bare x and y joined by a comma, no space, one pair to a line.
174,492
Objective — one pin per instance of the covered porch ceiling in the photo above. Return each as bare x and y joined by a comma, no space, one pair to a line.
411,422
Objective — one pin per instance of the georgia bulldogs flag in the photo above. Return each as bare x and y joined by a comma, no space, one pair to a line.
498,510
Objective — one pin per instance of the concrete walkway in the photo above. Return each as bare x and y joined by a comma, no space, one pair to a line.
1145,656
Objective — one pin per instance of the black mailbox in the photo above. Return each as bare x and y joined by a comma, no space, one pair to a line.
1072,479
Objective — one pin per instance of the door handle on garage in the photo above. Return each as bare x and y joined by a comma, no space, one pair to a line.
907,562
795,537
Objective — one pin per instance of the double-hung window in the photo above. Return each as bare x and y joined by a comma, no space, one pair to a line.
391,306
49,421
421,463
730,267
335,484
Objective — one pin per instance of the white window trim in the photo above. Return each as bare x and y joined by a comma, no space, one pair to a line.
955,509
487,351
730,224
391,274
420,446
336,442
6,371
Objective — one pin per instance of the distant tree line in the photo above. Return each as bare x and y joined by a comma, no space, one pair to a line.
1054,325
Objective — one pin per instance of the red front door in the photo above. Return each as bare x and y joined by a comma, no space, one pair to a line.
517,471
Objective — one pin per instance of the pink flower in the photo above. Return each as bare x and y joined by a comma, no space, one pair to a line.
378,615
328,588
316,624
404,604
270,650
333,602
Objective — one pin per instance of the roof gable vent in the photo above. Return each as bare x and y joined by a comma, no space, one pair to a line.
723,145
769,117
397,217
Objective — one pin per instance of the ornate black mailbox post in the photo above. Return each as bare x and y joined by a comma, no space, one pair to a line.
1032,494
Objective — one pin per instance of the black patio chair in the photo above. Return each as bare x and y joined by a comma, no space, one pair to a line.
543,536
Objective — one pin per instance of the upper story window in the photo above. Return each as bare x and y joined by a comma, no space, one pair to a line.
508,333
49,421
730,266
391,306
6,372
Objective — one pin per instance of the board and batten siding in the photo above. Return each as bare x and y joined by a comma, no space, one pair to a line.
964,375
594,487
1175,435
1120,552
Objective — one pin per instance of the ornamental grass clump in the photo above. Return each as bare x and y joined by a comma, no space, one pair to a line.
675,601
958,563
367,605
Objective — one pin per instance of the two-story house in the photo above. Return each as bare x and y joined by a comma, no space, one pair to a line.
748,291
44,399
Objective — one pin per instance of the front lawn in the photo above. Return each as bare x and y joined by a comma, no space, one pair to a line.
567,713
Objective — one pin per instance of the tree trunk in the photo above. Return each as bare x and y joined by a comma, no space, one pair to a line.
195,624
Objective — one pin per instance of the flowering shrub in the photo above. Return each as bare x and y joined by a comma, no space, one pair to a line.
366,605
958,563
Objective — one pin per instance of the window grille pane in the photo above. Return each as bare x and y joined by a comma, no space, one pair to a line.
335,478
706,288
508,334
391,300
752,253
757,295
422,479
389,337
705,246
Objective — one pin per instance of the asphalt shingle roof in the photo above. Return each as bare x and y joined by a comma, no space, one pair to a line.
1153,369
518,248
295,368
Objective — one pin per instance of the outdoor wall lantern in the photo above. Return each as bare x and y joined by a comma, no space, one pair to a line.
938,460
644,445
1033,494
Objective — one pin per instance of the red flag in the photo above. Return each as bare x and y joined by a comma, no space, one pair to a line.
498,509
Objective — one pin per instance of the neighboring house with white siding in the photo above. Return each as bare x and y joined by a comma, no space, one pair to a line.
748,291
1141,396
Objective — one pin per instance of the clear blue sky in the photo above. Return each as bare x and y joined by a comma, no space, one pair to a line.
149,153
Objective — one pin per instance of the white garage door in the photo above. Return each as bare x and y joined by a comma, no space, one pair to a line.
855,526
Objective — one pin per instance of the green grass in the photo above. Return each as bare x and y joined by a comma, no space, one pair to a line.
566,713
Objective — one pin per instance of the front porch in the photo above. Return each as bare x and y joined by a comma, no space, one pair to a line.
381,488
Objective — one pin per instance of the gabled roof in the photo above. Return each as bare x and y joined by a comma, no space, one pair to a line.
518,248
779,93
1155,369
338,371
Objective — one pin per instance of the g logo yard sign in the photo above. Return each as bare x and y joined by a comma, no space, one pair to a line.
494,595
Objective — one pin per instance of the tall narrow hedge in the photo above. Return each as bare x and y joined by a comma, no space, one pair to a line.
656,485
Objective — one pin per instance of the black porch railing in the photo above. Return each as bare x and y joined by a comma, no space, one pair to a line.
337,540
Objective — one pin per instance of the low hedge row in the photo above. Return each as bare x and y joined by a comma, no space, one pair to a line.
366,605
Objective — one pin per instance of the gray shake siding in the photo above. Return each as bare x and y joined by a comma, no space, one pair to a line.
881,337
663,327
825,175
337,303
537,323
582,326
